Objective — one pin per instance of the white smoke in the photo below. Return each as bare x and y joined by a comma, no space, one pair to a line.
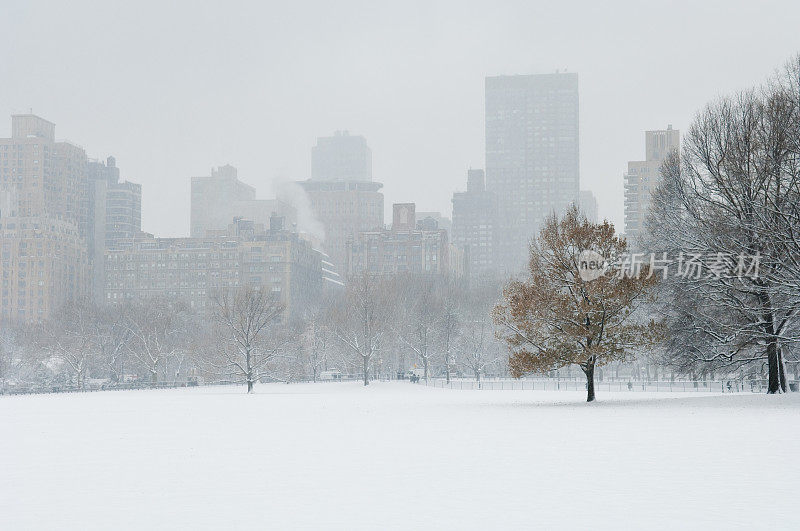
293,194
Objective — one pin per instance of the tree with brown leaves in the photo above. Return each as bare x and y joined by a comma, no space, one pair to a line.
567,312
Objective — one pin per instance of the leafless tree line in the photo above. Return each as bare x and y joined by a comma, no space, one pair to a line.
376,327
389,326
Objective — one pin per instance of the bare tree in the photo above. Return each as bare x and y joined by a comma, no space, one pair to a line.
69,336
733,194
246,316
449,321
418,312
363,318
157,332
23,363
8,344
112,333
317,336
475,343
474,347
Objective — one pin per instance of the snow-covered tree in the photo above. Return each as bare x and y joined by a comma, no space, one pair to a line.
317,337
731,201
475,344
157,332
8,346
70,338
363,319
247,319
112,332
449,322
419,309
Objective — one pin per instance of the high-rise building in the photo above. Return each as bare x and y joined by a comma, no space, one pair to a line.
341,157
475,218
643,176
588,205
343,196
531,155
217,199
115,214
43,221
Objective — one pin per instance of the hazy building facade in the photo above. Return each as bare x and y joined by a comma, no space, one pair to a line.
475,224
442,221
115,215
44,221
193,269
532,157
343,196
643,176
341,157
407,247
220,197
588,205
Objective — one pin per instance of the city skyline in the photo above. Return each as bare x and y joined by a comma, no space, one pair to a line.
416,95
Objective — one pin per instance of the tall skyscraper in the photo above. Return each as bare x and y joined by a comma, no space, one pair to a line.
217,199
531,155
643,176
43,221
475,224
341,157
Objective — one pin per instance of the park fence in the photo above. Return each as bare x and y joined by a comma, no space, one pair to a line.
488,384
552,384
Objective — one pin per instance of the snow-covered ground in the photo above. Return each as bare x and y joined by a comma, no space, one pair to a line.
397,456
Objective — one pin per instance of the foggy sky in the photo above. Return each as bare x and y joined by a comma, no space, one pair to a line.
172,90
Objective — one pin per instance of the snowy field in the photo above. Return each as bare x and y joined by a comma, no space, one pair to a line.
397,456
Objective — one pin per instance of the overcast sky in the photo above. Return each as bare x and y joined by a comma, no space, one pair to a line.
172,89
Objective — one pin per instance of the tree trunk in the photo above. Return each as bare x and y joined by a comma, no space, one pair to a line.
249,367
366,370
425,367
777,377
589,371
